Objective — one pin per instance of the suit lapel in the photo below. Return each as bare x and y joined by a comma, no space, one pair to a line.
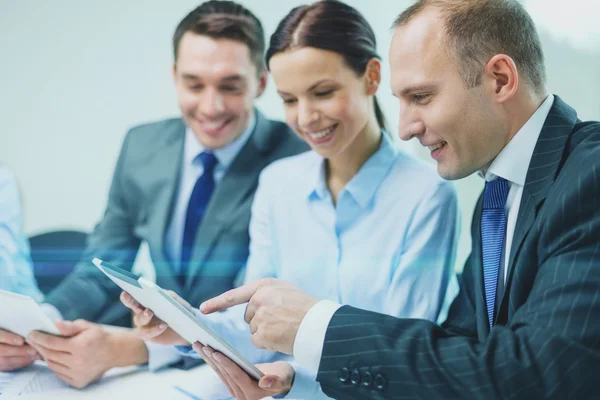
543,167
236,185
168,175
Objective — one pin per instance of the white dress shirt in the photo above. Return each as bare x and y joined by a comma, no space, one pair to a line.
511,164
191,169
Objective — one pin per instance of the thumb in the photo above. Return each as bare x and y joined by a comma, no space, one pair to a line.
274,383
71,328
181,301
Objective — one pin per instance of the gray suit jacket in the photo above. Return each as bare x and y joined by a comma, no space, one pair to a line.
140,203
546,341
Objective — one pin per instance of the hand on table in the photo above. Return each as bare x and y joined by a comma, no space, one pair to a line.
86,351
14,352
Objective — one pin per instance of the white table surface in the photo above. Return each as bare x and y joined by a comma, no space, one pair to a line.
140,384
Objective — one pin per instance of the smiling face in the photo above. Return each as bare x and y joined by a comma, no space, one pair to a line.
216,83
326,103
462,127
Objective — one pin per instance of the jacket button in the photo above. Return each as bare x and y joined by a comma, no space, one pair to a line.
344,375
380,382
355,377
367,379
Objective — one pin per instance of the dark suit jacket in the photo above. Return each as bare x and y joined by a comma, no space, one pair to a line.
546,341
140,203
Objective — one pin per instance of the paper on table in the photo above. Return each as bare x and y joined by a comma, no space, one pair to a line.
38,378
33,379
22,315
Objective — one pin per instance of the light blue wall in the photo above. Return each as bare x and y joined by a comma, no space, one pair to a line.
76,74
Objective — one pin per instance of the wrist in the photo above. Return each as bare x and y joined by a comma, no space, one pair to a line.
127,349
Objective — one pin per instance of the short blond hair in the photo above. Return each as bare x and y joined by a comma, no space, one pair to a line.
476,30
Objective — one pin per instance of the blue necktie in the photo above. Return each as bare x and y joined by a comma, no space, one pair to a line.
203,189
493,234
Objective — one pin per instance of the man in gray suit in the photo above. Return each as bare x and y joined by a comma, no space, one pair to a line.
185,186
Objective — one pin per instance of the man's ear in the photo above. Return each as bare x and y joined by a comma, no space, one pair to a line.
501,77
262,82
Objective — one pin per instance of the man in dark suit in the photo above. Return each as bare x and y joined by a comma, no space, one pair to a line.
185,186
469,76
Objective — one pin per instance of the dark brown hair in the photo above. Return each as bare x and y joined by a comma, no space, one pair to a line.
329,25
476,30
225,20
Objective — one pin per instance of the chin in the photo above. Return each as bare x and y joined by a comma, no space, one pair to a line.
450,174
325,152
218,141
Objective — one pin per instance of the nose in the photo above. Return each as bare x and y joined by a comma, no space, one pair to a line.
307,114
212,103
410,125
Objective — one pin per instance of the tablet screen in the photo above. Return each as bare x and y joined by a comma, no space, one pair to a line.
171,311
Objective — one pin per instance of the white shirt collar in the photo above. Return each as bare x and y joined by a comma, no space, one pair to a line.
225,155
513,161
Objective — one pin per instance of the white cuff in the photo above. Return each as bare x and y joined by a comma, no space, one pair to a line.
160,356
305,385
52,312
308,345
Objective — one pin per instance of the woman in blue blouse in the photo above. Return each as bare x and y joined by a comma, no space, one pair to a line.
16,274
355,220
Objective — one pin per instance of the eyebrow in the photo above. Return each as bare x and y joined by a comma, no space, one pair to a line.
228,79
414,89
312,87
190,77
234,78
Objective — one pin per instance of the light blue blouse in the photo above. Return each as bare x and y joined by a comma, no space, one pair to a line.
388,245
16,272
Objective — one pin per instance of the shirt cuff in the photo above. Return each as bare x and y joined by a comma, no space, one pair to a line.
308,345
52,312
305,385
187,351
160,356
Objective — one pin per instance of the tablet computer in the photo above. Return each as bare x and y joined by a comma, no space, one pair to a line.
22,315
177,316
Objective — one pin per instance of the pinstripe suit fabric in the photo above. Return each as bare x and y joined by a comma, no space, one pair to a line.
546,339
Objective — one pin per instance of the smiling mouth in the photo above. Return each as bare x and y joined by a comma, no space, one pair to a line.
214,127
436,146
321,135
